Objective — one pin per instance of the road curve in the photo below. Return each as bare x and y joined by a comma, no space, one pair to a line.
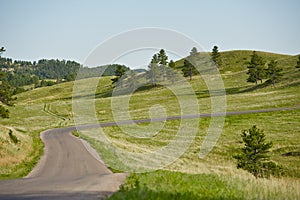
68,169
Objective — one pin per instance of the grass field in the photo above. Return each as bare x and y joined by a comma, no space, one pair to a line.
214,176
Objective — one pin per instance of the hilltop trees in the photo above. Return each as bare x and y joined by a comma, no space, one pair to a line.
158,67
194,51
256,69
216,56
119,73
188,68
253,156
153,72
273,72
171,71
2,49
163,61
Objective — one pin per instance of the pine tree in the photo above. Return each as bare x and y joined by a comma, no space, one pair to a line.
119,72
256,69
253,157
163,61
171,71
273,72
188,69
194,51
216,56
153,72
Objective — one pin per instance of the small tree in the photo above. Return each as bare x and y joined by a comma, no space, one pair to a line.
194,51
163,61
216,56
273,72
188,69
254,157
171,71
256,69
120,71
153,72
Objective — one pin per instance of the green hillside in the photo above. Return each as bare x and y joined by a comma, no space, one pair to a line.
49,107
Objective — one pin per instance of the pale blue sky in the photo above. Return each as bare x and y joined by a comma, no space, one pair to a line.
70,29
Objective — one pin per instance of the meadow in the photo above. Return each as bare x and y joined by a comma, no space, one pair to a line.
188,177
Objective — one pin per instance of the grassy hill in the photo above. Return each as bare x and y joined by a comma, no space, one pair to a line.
49,107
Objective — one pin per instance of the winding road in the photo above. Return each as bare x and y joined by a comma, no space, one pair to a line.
70,168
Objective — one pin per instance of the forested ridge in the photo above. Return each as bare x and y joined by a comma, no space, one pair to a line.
46,72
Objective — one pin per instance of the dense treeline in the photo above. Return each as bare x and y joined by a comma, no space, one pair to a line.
48,72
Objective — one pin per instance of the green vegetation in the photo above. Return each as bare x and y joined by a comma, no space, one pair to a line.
214,176
273,72
254,155
45,72
175,185
75,133
256,69
216,56
13,138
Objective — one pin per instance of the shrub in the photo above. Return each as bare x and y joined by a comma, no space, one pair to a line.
13,138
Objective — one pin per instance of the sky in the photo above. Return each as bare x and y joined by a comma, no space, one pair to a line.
71,29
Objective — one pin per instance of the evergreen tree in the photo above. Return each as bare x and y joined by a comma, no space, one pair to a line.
194,51
188,69
163,61
216,56
153,72
253,157
256,69
120,71
171,71
273,72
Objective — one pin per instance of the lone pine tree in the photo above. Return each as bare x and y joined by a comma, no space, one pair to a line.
254,155
256,69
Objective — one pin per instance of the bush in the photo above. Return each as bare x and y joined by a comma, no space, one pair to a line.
4,113
13,138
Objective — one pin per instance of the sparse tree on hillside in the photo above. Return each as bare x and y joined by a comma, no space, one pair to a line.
256,69
188,69
194,51
216,56
298,63
163,61
273,72
253,156
171,71
153,72
120,71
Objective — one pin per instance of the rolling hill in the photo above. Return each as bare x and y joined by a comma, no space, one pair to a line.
50,107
